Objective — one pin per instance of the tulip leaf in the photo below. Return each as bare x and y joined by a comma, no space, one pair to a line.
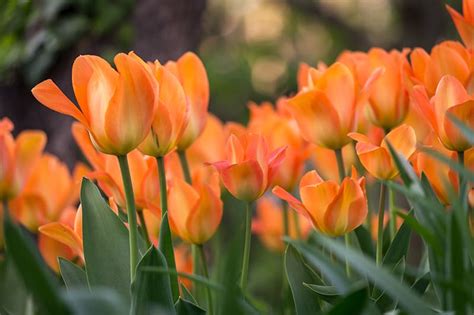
101,301
184,307
380,277
297,273
166,247
327,293
32,270
399,246
151,291
106,246
73,276
187,294
353,303
13,293
421,284
365,241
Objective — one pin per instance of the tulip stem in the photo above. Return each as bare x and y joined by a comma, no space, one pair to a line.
145,235
286,222
296,221
246,253
340,164
185,166
202,257
163,189
393,216
383,189
462,182
131,215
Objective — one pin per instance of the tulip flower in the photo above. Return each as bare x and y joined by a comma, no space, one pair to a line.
250,167
195,211
280,129
446,58
171,116
326,110
451,98
269,226
333,209
325,162
184,263
116,107
17,157
376,157
191,72
464,23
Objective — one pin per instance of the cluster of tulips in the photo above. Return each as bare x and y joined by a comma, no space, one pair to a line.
157,154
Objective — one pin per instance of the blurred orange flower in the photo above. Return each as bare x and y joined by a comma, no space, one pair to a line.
333,209
464,23
184,263
250,166
116,107
325,161
376,157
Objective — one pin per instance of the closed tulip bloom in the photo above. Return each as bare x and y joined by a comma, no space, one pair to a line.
333,209
451,98
376,157
268,224
171,115
17,157
250,166
195,211
116,106
464,23
191,72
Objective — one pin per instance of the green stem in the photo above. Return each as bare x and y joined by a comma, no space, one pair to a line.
393,216
246,254
340,164
463,187
145,235
286,219
379,253
296,221
163,189
185,166
202,256
131,214
347,241
196,269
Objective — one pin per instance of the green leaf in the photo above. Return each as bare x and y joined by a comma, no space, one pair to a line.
187,295
13,293
184,307
421,284
151,291
330,293
353,303
101,301
166,247
73,276
106,247
399,246
407,173
381,278
297,273
365,241
32,269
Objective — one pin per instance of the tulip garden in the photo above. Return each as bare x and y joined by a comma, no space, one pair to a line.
358,183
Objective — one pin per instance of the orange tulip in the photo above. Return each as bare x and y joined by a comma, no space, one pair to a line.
333,209
446,58
116,107
184,263
376,157
451,98
464,24
191,72
17,157
171,116
280,129
268,224
326,110
325,161
250,167
195,211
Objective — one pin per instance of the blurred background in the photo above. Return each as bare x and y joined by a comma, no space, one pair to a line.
251,48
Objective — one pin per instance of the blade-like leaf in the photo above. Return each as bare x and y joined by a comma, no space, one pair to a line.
365,241
152,291
465,130
166,247
101,301
13,293
399,246
106,247
353,303
73,276
297,273
184,307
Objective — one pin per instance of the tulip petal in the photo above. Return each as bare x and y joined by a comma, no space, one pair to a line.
425,107
316,199
63,234
182,199
465,29
292,201
29,146
376,160
403,140
465,113
244,180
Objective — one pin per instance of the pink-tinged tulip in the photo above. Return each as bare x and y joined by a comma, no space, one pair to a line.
18,157
464,23
268,224
191,72
195,211
250,167
451,98
333,209
116,107
171,115
280,129
376,157
446,58
326,110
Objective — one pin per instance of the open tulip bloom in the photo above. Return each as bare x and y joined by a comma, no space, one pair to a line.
145,225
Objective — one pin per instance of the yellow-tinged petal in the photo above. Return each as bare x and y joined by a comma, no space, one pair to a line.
182,199
455,138
316,199
63,234
403,140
